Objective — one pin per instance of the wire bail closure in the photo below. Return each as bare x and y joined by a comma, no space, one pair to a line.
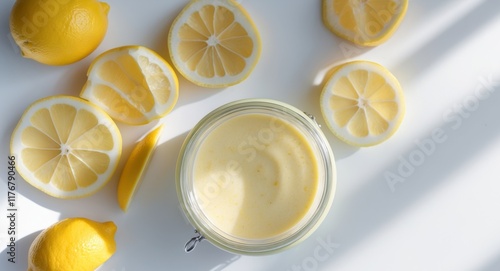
313,118
191,244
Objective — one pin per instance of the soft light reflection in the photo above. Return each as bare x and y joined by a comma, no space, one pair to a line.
431,24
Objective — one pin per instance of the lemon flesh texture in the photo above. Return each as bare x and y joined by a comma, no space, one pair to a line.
214,43
56,33
362,103
135,167
133,84
66,146
77,244
364,22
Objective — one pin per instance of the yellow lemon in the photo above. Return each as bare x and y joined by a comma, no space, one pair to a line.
133,84
214,43
66,146
56,32
362,103
364,22
135,166
76,244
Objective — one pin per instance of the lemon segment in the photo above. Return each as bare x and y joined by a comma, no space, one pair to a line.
362,103
58,32
66,146
133,84
72,244
214,43
135,167
364,22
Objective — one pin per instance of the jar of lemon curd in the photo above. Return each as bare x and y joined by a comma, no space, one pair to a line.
255,177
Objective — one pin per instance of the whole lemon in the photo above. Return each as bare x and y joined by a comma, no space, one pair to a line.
58,32
76,244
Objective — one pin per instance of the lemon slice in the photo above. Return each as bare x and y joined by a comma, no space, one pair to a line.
133,84
134,168
364,22
66,147
362,103
214,43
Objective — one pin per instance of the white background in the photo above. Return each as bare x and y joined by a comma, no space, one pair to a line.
445,215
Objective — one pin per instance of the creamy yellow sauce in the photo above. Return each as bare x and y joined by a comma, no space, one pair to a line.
255,176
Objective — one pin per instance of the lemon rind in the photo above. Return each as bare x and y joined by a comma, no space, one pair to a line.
330,20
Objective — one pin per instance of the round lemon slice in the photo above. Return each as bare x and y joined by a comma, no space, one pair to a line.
66,146
364,22
214,43
362,103
133,84
135,166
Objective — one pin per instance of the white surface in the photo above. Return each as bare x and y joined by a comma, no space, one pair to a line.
444,216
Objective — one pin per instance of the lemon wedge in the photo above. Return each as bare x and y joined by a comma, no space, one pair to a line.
362,103
214,43
364,22
133,84
135,166
66,146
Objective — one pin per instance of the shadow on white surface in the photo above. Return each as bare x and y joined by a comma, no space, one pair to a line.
355,217
160,42
21,255
431,53
494,265
154,231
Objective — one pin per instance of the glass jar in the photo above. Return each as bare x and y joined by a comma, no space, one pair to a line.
192,203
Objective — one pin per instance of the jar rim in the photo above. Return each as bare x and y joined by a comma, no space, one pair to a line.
276,243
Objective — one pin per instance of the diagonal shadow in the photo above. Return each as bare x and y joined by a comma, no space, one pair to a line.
435,49
353,218
367,210
493,265
159,230
20,256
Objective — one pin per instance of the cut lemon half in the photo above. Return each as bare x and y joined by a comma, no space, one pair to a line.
133,84
364,22
135,166
66,146
362,103
214,43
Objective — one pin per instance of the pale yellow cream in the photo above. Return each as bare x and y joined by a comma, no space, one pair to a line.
255,176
